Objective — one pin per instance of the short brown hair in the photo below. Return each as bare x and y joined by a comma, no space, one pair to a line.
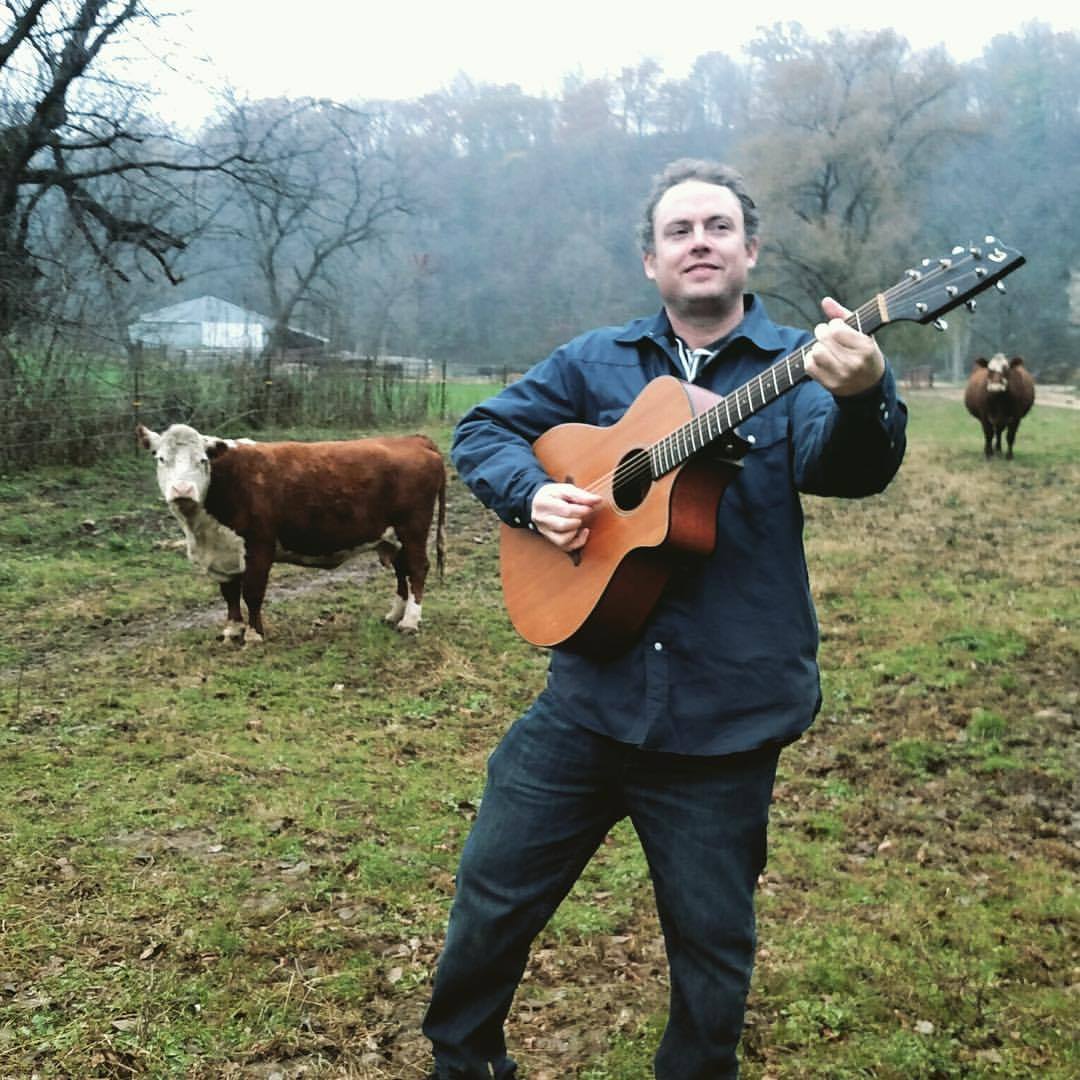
710,172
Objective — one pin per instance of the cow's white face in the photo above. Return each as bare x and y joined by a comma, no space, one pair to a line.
183,464
997,381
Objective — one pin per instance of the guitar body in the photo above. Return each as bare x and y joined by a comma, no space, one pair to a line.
596,600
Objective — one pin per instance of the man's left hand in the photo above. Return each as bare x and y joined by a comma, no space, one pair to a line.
842,359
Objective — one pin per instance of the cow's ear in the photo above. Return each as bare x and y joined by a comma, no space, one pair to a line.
148,440
1016,361
981,361
216,447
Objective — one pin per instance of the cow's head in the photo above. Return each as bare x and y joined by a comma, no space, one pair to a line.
183,459
998,368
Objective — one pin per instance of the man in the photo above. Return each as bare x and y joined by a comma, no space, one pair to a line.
681,732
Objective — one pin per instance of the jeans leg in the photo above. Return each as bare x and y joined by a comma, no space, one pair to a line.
546,807
703,823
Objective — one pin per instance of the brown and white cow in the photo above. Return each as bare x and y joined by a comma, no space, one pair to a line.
999,394
246,505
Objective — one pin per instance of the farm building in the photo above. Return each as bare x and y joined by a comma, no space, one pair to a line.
210,323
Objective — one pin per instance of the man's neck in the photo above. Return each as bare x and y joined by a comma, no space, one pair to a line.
700,330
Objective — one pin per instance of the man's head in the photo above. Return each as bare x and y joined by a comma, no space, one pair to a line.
699,239
709,172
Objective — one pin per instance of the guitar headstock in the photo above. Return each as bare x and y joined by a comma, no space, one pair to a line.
942,284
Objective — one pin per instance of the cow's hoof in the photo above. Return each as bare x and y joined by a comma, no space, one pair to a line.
232,631
252,637
407,628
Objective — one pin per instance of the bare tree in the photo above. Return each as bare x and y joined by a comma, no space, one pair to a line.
73,146
846,130
326,184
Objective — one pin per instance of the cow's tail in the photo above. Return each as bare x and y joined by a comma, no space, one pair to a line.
440,531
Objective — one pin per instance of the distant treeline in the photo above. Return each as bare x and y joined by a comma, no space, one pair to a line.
483,226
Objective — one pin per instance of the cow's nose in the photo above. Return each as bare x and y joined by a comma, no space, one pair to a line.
183,489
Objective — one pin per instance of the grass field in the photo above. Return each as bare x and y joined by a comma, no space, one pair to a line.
226,863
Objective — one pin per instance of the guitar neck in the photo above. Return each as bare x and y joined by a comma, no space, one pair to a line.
679,445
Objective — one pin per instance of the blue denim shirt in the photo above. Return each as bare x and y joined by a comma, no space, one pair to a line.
728,658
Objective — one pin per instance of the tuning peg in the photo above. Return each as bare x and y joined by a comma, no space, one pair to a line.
970,304
913,275
1000,286
958,250
940,324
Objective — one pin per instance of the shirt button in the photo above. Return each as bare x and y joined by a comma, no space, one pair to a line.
658,646
885,414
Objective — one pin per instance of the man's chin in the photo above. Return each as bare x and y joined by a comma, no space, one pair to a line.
706,303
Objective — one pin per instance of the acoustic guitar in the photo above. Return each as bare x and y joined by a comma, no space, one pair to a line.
663,467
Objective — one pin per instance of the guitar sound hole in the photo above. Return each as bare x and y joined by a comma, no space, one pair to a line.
633,478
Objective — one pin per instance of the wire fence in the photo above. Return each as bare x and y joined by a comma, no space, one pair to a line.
80,409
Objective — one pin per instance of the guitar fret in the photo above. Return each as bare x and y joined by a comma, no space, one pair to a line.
695,434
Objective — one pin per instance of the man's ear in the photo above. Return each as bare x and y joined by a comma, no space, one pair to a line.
648,262
752,247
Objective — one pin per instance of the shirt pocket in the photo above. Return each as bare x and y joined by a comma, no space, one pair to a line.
766,479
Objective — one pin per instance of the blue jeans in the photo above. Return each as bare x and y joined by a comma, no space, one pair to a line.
554,789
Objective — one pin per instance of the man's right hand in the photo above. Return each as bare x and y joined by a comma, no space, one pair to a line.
561,513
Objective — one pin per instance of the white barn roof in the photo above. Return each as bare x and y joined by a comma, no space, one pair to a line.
210,309
210,322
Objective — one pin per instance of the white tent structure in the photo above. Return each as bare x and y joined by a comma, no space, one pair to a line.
211,323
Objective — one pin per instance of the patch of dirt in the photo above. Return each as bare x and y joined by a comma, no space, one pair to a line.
113,636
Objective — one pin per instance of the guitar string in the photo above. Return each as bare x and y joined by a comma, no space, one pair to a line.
640,466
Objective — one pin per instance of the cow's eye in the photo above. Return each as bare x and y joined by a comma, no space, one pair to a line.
204,462
160,458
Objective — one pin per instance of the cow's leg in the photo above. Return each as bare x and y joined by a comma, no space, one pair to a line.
1010,437
412,567
256,575
234,627
389,553
988,435
399,607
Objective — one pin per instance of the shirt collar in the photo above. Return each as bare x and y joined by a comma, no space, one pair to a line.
756,327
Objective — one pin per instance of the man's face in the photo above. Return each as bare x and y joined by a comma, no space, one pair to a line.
701,259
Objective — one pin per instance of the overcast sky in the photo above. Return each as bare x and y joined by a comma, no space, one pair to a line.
399,49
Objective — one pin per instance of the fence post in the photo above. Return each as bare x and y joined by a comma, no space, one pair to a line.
268,389
135,354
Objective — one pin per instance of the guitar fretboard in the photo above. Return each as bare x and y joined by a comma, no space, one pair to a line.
679,445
